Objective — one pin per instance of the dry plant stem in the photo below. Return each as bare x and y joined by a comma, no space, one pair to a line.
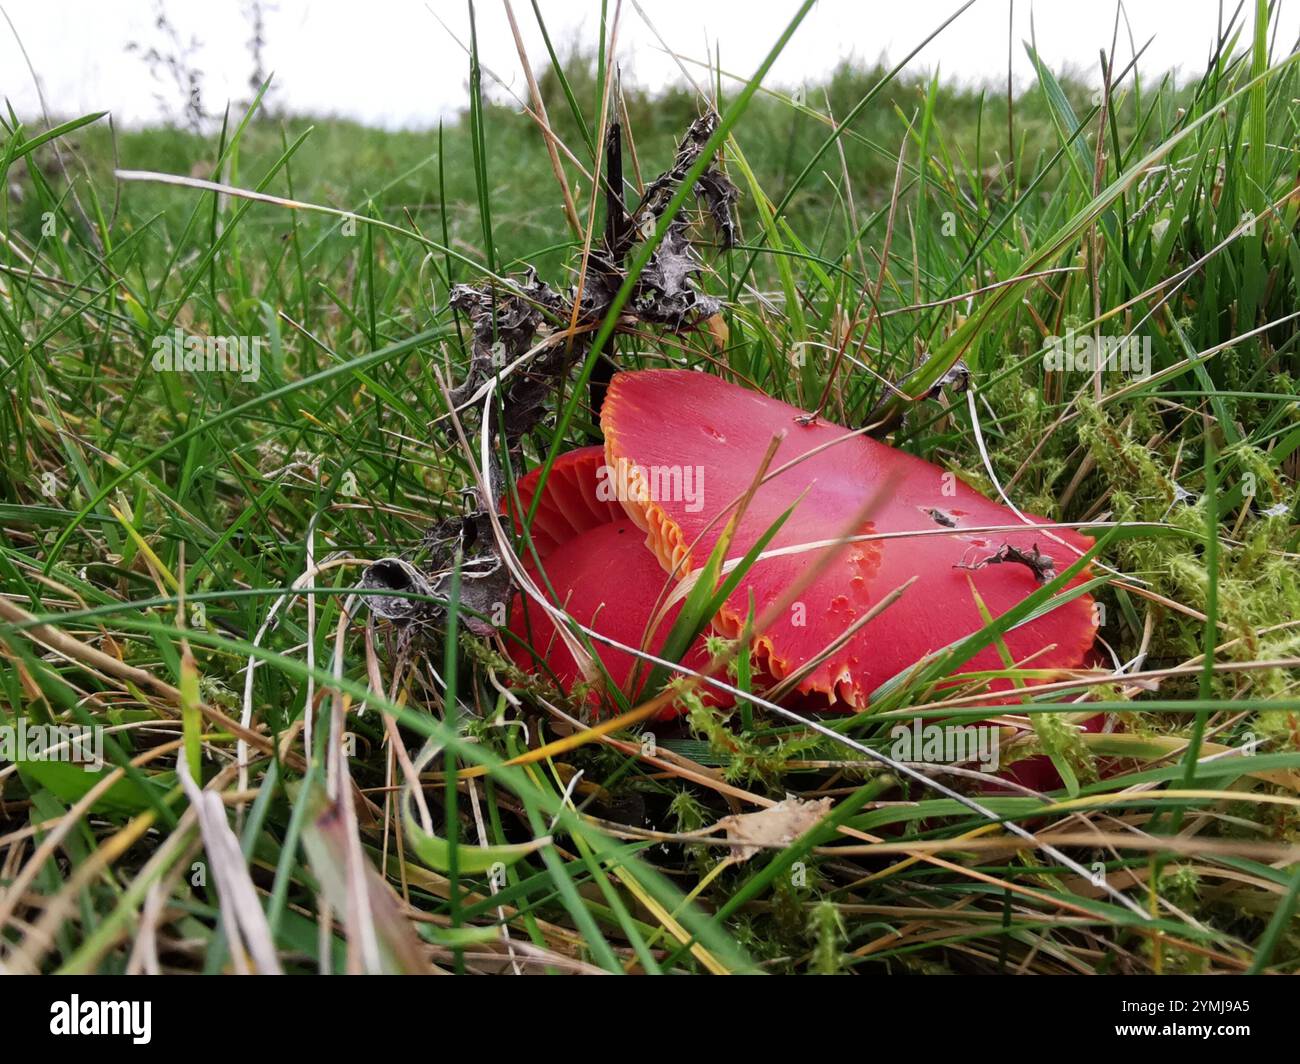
1271,852
246,927
544,124
396,748
309,702
603,129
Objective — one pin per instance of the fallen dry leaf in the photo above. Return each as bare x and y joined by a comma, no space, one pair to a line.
776,826
717,326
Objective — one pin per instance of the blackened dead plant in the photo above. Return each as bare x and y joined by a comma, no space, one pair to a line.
511,320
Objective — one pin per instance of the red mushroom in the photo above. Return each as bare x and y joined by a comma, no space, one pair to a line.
597,568
666,429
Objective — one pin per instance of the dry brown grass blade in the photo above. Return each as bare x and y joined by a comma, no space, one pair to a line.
602,131
245,921
544,124
677,766
1003,845
395,947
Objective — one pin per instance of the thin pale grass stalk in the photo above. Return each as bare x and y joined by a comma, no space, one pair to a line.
538,116
1271,852
40,939
602,131
544,124
244,920
997,484
202,185
359,919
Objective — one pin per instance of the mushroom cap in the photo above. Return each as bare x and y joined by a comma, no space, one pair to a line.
598,570
691,444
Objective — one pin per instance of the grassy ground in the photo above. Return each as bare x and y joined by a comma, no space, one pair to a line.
159,531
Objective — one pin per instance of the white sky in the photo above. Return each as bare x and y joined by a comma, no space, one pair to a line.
390,62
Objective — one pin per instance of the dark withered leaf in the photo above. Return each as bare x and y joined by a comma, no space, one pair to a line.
666,295
672,266
713,187
603,280
506,318
397,574
504,322
619,233
484,596
719,196
957,380
485,584
525,405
